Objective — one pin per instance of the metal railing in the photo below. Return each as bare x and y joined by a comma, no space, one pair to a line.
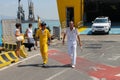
80,24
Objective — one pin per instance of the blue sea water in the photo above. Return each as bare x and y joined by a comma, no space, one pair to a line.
0,34
50,24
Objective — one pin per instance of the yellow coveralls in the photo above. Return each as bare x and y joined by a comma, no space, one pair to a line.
43,38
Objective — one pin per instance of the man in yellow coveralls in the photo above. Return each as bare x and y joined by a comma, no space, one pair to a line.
43,34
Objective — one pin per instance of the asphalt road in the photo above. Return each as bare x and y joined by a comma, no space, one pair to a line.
99,60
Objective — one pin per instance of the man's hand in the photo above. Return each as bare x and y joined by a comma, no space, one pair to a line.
63,39
49,41
80,46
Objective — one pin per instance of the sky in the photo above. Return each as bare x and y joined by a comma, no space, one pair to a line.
46,9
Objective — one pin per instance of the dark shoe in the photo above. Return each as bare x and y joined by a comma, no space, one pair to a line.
44,65
29,49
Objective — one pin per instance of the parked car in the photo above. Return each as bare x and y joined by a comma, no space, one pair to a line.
101,24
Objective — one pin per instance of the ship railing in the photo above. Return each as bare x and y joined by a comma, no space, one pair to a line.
63,25
80,24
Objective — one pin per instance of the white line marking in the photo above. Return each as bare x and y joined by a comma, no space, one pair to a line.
109,47
97,68
55,75
86,55
114,58
117,75
102,54
6,67
94,78
53,54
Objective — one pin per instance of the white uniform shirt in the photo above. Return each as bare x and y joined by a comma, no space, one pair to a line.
30,33
72,35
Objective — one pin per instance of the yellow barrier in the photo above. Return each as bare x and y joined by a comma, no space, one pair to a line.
14,47
12,56
23,51
81,29
3,63
8,47
4,60
5,46
7,58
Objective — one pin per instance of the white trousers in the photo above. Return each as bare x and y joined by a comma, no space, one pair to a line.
72,52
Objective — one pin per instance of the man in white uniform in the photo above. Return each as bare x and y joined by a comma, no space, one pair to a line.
72,37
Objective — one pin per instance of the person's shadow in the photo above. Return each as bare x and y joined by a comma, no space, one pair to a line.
47,66
59,66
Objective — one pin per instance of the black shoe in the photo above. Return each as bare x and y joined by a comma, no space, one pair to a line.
44,65
29,50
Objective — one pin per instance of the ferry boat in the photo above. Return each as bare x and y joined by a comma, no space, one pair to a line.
81,11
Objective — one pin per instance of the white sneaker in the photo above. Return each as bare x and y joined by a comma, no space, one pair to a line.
73,66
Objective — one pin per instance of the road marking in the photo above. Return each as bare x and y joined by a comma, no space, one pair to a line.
102,54
99,71
54,54
6,67
94,78
97,68
114,58
86,55
18,62
118,75
55,75
109,47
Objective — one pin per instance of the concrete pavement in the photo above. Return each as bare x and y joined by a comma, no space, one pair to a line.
99,60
